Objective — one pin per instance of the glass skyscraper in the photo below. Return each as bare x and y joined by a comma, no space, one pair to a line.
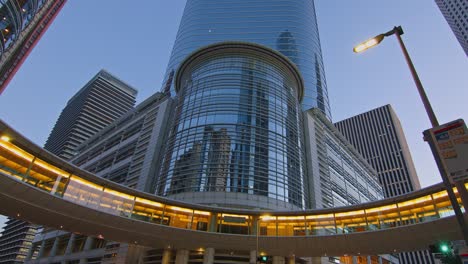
237,135
288,26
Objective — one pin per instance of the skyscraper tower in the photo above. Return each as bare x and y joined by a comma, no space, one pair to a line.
456,14
288,26
379,137
15,241
101,101
237,135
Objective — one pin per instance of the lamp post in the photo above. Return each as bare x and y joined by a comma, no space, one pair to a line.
398,31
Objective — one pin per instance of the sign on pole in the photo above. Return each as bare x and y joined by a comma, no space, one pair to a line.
451,143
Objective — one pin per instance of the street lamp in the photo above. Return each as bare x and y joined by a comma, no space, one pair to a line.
398,31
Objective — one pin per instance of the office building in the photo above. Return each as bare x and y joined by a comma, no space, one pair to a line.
16,241
127,152
287,26
341,176
456,14
379,137
22,24
101,101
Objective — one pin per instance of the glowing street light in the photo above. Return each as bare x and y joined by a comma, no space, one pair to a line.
369,43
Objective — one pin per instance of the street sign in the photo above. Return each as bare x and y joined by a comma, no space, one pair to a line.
451,143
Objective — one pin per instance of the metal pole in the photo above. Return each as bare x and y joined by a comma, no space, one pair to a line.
422,93
432,117
257,231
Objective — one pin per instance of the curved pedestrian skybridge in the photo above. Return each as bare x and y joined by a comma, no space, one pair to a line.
39,187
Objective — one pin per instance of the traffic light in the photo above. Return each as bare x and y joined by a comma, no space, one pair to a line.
442,247
263,259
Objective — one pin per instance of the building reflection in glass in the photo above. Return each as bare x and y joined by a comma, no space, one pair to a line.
237,126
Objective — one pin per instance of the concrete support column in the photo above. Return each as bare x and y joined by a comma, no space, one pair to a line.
87,246
166,257
292,260
355,260
369,260
70,244
41,250
182,256
278,260
208,256
53,251
253,257
88,243
213,224
380,260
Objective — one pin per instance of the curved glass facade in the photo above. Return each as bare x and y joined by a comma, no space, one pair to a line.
237,127
288,26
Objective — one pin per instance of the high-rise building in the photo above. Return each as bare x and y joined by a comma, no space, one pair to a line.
22,24
340,175
379,137
237,135
287,26
126,152
16,241
101,101
456,14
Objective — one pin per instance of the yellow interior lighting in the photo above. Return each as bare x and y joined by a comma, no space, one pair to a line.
180,209
286,218
5,138
234,215
267,218
15,150
415,201
352,213
321,216
86,183
381,209
51,168
149,202
201,212
119,194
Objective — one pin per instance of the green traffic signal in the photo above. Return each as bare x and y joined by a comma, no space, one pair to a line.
264,258
444,248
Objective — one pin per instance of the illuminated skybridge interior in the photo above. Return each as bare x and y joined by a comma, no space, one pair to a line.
41,188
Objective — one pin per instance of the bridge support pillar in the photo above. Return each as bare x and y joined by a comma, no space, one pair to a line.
253,257
355,260
41,250
53,251
369,260
88,243
278,260
208,256
166,257
213,224
70,244
182,256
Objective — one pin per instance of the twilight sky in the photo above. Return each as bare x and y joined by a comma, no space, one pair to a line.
134,42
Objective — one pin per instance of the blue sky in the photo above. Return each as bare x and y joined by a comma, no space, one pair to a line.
134,42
